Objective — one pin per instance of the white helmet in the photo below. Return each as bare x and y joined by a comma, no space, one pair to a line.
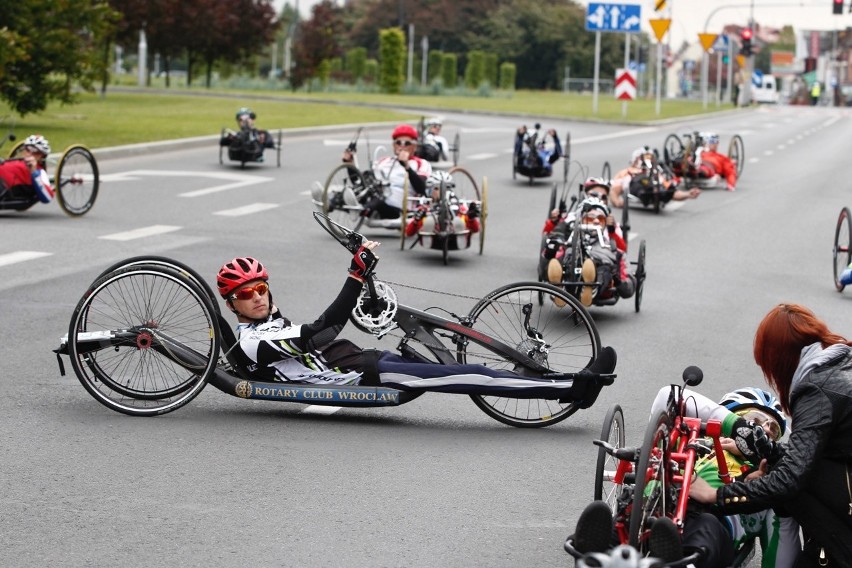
752,397
438,177
38,142
594,203
433,121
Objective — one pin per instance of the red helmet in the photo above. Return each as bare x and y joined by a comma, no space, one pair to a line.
237,272
594,182
404,130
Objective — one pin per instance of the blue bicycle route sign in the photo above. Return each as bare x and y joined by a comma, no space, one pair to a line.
601,17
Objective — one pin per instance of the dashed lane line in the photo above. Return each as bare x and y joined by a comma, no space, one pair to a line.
316,409
247,209
21,256
140,233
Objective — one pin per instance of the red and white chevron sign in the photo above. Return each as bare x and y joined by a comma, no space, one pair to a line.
625,84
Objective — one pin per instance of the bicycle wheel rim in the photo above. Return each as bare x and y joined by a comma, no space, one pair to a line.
612,432
650,492
567,328
842,240
77,181
173,340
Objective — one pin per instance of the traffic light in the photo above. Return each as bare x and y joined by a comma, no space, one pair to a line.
745,42
837,7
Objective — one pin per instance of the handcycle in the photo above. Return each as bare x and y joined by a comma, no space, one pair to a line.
643,484
679,157
244,145
573,251
652,185
431,153
531,161
447,227
76,180
147,336
842,250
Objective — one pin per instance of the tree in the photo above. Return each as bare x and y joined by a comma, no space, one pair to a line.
391,60
49,49
317,40
474,72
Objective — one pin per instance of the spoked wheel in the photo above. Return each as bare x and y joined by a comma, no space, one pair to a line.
404,217
566,157
77,180
656,202
340,197
278,149
185,269
566,341
456,149
736,152
842,246
651,493
625,218
16,150
606,172
552,201
640,276
672,150
166,341
483,214
466,188
221,148
613,433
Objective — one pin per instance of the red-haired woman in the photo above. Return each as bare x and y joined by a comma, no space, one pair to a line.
810,476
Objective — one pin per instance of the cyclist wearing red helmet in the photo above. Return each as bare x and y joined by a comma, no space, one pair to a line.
282,351
26,176
401,169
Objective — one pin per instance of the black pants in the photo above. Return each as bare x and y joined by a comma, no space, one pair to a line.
706,532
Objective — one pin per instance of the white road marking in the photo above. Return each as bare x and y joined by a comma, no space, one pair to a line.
485,156
610,136
237,179
767,152
247,209
21,256
317,409
141,233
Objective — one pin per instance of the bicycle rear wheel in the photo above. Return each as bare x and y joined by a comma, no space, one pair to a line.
464,186
651,493
77,181
736,152
842,250
568,342
159,342
612,432
341,198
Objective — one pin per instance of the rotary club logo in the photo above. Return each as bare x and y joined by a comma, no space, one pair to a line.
243,389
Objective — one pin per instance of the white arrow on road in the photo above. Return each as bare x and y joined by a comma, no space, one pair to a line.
237,179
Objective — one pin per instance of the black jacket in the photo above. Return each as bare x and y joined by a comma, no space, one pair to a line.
813,466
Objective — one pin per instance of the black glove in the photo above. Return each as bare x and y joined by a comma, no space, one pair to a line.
363,263
752,441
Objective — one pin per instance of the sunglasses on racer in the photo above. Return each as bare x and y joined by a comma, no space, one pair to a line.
769,424
248,293
405,143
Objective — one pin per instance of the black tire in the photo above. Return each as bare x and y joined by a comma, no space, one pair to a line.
278,149
612,432
566,157
221,148
736,152
625,218
606,172
170,356
565,326
466,188
652,490
188,271
77,180
456,149
640,277
16,150
552,200
842,251
656,202
673,150
483,214
344,180
573,265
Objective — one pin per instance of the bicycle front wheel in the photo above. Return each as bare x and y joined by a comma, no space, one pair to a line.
842,250
613,433
341,198
651,493
77,181
557,332
143,340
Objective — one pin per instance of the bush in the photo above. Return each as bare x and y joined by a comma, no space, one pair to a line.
491,68
508,73
391,60
474,72
449,70
356,62
436,58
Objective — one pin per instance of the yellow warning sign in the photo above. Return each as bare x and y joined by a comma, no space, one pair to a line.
659,5
707,40
741,61
660,27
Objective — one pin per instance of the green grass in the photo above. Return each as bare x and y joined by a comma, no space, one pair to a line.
144,116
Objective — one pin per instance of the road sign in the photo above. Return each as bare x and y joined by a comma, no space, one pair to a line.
625,84
721,43
660,27
602,17
707,41
757,77
659,5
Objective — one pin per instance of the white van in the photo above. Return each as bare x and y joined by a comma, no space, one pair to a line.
766,91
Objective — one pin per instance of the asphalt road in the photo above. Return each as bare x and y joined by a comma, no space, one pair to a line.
229,482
